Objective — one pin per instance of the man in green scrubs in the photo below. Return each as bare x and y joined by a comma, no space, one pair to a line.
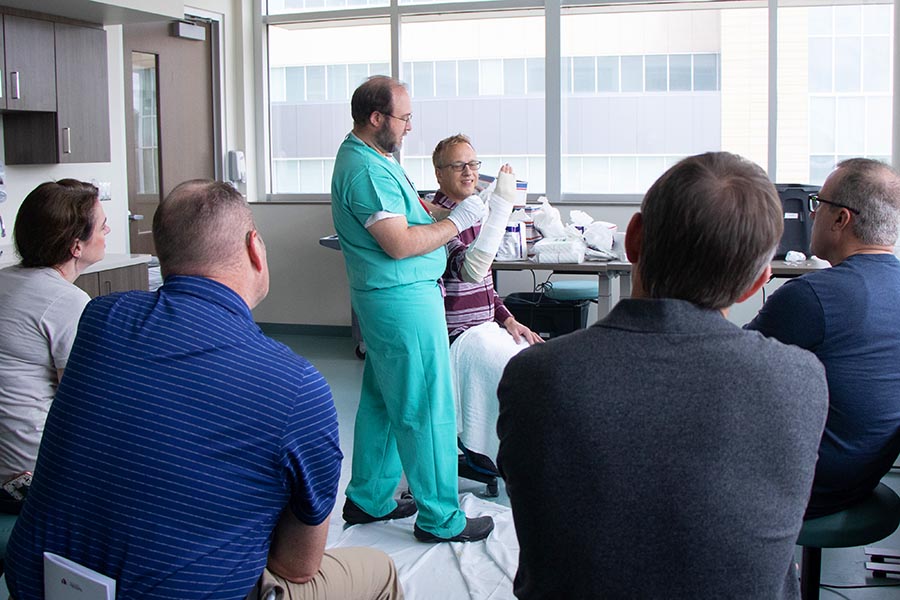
395,253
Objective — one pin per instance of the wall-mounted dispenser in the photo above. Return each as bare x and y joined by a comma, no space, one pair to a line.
235,167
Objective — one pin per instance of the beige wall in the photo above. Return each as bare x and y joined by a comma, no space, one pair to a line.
309,283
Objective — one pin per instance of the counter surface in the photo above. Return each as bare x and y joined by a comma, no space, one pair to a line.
111,261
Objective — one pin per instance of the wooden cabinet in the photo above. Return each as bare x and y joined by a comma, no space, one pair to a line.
55,92
123,279
90,283
30,56
82,115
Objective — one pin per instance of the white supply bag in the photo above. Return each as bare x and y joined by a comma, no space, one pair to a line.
547,220
562,250
514,245
599,235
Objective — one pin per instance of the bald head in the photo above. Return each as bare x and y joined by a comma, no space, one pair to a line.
201,228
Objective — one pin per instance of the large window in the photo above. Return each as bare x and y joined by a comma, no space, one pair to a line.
640,91
635,87
835,65
480,77
309,97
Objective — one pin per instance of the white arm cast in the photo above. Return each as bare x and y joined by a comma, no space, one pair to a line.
482,251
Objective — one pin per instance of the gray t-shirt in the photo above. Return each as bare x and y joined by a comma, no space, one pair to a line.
39,312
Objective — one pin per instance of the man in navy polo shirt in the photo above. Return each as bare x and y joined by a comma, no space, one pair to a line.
847,315
186,454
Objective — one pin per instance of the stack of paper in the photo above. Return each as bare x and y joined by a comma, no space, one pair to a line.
67,580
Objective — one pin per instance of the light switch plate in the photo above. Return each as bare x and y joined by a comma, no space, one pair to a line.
104,189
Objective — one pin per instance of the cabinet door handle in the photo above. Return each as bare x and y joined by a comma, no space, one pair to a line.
1,83
67,140
14,85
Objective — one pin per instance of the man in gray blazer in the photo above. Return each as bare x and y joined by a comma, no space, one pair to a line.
664,452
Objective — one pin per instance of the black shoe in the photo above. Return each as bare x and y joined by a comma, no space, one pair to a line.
354,515
476,529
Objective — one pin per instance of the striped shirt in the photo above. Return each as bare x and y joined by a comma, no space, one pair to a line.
467,304
177,437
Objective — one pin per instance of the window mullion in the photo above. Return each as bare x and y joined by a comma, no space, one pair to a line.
553,99
773,91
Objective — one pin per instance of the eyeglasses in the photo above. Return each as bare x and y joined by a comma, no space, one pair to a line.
473,165
814,202
405,119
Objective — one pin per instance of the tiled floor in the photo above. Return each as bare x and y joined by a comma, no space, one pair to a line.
335,359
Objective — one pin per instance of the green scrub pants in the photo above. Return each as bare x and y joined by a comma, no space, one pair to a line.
407,418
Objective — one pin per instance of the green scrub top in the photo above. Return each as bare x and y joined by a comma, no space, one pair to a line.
365,182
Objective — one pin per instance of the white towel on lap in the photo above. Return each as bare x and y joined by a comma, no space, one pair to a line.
477,359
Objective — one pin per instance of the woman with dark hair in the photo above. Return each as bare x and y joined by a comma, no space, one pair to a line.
60,230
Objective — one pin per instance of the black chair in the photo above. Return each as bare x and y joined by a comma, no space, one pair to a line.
480,468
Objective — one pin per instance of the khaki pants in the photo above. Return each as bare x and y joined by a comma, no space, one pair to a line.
345,574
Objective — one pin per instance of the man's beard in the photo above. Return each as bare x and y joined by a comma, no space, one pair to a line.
384,139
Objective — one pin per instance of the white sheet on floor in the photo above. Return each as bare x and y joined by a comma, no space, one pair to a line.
477,570
477,358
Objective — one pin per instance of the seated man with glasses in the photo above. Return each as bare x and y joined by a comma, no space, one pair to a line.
478,323
847,315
